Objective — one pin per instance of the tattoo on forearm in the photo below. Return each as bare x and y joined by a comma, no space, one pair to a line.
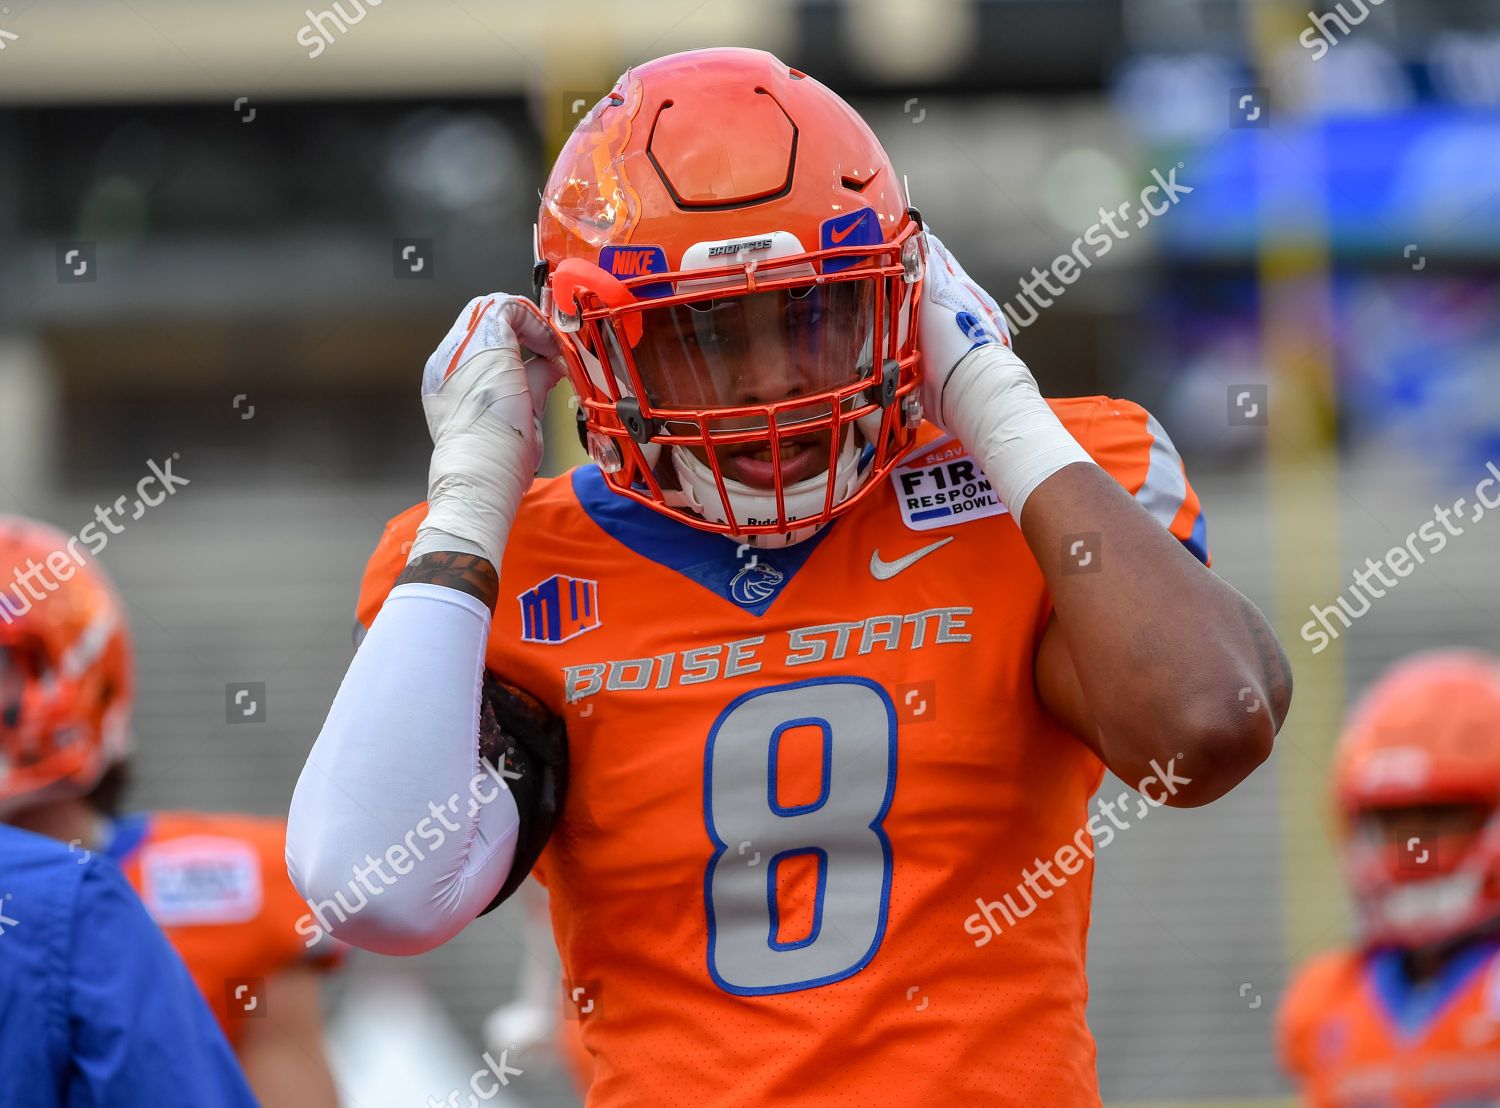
467,573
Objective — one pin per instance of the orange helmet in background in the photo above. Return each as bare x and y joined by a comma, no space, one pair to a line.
1427,734
66,669
729,256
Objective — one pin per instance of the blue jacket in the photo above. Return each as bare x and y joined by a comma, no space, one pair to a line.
95,1007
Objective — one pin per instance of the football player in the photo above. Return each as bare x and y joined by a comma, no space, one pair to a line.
216,884
1410,1016
834,639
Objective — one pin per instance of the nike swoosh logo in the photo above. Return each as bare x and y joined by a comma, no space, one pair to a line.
839,236
882,570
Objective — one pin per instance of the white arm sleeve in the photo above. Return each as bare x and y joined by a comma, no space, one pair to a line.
398,835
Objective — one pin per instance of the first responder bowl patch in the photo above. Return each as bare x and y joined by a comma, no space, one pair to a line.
942,485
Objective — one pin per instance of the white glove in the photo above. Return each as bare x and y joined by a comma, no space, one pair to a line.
484,409
974,385
957,317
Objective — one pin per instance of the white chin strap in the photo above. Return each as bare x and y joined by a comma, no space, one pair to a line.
700,494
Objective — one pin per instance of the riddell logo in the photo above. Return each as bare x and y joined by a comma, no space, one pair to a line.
736,247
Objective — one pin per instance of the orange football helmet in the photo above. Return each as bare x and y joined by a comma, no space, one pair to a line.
729,256
1426,735
66,668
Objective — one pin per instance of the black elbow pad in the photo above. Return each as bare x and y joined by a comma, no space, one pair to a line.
522,739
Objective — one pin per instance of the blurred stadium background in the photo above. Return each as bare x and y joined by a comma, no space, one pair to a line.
232,233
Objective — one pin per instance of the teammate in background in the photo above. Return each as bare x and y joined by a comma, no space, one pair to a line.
805,677
1410,1017
216,884
96,1010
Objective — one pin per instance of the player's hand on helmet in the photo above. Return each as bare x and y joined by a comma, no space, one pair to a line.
974,386
483,391
958,317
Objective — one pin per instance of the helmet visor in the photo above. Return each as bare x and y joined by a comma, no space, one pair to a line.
759,348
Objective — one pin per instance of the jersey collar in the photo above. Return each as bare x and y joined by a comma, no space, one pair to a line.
124,835
749,578
1412,1007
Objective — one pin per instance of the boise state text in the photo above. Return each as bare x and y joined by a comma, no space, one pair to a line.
817,644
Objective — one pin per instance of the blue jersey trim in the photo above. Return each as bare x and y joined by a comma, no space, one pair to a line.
1412,1008
126,835
1197,542
714,561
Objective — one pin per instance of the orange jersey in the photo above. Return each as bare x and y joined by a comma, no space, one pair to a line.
217,886
794,773
1355,1033
575,1057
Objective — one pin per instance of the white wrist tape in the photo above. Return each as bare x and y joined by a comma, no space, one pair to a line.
457,510
992,403
483,457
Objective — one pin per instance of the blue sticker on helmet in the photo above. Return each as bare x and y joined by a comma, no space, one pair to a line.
857,228
626,262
